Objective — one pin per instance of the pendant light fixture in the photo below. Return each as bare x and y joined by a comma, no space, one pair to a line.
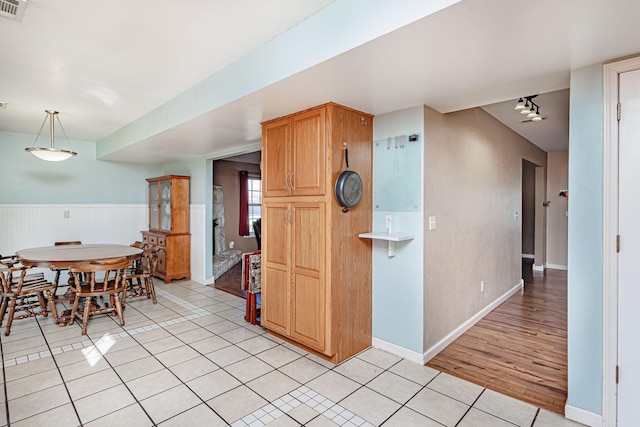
51,154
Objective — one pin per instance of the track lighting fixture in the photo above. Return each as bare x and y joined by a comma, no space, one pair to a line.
526,106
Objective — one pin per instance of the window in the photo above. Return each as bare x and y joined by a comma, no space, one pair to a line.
254,188
250,202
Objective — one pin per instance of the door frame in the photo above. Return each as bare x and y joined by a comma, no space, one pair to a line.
610,283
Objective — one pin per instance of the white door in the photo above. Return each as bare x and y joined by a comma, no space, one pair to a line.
629,257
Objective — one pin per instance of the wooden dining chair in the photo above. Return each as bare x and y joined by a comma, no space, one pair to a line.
11,260
105,277
23,292
140,273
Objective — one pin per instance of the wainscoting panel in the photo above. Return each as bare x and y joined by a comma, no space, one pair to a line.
27,226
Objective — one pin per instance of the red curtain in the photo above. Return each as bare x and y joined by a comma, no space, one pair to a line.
243,227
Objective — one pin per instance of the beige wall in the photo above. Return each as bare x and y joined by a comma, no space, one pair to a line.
557,220
225,174
473,185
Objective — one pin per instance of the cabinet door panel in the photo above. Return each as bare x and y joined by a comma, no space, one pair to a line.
276,141
309,153
275,267
275,300
275,234
308,237
308,276
308,311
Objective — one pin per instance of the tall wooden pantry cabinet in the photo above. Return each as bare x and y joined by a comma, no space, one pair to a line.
169,226
316,271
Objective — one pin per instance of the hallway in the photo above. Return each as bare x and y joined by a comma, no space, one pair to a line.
520,348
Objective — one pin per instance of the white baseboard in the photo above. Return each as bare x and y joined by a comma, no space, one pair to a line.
538,267
440,345
557,266
410,355
582,416
528,256
204,282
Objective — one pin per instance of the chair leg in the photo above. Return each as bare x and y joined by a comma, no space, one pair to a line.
151,289
74,309
85,317
12,310
124,296
247,310
119,308
52,304
3,309
43,304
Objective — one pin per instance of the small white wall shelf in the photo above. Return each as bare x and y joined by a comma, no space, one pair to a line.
392,238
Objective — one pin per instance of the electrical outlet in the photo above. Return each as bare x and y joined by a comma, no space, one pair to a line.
65,214
482,286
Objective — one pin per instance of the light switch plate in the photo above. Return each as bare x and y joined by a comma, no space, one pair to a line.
432,223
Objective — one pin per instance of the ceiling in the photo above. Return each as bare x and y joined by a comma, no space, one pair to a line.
122,60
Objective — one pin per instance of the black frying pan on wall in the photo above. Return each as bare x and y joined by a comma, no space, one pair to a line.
348,187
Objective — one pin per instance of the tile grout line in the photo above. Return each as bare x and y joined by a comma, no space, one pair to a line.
4,381
87,343
64,383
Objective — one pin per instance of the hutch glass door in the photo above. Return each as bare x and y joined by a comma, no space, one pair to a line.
153,206
165,206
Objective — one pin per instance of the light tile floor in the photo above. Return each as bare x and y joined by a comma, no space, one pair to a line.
192,359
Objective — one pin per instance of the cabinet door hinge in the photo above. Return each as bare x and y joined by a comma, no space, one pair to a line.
619,111
618,243
617,374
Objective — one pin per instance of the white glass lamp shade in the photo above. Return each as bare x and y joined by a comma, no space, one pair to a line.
50,154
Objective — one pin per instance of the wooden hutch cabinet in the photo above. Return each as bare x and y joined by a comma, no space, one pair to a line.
169,226
316,271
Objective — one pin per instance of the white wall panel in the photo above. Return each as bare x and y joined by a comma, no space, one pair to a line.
26,226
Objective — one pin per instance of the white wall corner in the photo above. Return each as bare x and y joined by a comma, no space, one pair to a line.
538,267
456,333
581,416
198,242
405,353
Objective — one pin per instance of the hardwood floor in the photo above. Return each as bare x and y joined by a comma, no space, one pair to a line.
231,281
520,348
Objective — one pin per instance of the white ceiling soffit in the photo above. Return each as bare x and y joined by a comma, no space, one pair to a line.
104,64
474,53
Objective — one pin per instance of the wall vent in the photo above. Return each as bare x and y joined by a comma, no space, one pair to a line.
13,9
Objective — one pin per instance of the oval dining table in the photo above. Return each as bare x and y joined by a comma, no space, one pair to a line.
67,256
